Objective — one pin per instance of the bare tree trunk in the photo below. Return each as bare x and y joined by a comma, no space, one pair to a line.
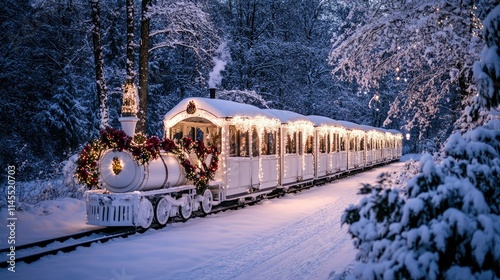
102,90
143,66
130,42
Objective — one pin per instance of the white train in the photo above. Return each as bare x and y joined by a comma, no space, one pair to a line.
261,151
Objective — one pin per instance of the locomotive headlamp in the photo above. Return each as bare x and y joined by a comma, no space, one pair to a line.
116,165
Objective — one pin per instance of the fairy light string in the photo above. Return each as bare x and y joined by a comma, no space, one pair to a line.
145,149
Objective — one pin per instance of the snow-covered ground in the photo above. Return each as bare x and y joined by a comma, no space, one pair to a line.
298,236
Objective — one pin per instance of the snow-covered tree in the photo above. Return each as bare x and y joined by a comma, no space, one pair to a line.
428,47
166,24
243,96
445,223
100,80
487,74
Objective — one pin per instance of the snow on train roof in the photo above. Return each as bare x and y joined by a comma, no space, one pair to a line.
322,120
219,108
394,131
287,116
377,129
352,126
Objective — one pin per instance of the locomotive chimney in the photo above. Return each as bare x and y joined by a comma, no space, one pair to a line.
212,93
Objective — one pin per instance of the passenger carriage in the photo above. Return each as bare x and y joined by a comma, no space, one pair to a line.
373,136
397,143
355,145
329,147
246,136
296,151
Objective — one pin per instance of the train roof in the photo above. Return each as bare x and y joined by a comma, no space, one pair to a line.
287,116
394,131
324,121
352,126
218,108
377,129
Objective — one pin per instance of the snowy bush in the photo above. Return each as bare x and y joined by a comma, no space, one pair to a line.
58,184
444,224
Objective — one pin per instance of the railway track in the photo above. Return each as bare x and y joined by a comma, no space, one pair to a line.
31,252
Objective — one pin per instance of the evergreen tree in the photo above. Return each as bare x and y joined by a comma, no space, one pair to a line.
445,224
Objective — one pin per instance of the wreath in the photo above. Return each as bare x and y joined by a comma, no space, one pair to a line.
200,173
143,150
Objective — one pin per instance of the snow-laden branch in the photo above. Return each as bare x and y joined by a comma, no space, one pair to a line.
427,47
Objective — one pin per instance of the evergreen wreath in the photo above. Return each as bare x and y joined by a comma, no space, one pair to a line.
145,149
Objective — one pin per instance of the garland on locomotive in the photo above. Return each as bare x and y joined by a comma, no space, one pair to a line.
261,151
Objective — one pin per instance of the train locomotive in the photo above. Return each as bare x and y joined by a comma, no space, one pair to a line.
262,151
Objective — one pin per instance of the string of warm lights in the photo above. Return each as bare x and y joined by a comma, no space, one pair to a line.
130,100
145,149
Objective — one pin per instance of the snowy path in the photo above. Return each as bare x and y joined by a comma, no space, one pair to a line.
297,251
294,237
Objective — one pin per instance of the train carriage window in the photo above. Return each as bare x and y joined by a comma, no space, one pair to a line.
342,143
264,145
309,144
268,143
255,142
176,133
213,137
362,144
190,132
238,142
243,144
334,143
300,145
322,144
233,141
272,142
195,133
288,148
352,144
328,143
291,143
200,135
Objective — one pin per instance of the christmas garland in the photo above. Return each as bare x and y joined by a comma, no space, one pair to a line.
143,150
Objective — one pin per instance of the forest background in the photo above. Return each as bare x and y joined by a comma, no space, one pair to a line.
404,65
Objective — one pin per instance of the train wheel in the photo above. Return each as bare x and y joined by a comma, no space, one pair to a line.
207,202
186,209
145,213
162,212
